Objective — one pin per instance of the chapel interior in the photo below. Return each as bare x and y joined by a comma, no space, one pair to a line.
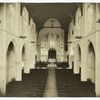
49,49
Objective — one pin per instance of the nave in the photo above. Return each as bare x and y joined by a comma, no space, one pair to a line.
50,83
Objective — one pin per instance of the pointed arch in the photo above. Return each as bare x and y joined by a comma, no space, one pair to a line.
10,62
23,57
91,62
79,57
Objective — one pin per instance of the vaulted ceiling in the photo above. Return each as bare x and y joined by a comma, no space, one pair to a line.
41,12
63,12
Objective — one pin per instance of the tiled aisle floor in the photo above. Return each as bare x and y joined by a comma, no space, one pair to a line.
51,88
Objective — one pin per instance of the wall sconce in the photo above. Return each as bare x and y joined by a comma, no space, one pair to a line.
22,37
78,37
33,42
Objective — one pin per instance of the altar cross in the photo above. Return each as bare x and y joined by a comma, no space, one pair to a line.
52,21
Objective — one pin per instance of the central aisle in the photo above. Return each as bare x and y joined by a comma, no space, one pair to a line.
50,82
51,88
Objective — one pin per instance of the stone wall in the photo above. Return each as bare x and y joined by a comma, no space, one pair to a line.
16,33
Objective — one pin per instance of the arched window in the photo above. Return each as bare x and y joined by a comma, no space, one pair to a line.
78,22
90,15
11,62
24,21
11,16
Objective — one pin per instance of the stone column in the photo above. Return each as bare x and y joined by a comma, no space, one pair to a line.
27,58
2,79
3,69
83,62
97,67
18,71
70,62
34,53
76,64
26,67
83,43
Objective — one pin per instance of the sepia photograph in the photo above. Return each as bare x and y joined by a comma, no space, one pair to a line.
49,49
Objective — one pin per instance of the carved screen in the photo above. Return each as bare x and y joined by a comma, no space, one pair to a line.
52,40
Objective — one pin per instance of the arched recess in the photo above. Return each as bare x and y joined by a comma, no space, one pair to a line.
91,62
10,63
72,57
79,58
23,57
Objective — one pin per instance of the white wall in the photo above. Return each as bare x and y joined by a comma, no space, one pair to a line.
89,31
11,28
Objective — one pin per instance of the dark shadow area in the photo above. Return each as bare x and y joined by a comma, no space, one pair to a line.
69,85
52,53
32,85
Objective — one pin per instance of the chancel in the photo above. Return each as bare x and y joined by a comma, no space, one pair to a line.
51,38
50,49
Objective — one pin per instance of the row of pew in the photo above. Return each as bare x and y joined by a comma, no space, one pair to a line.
40,64
32,84
70,85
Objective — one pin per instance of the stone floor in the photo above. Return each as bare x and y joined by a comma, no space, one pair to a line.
51,87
